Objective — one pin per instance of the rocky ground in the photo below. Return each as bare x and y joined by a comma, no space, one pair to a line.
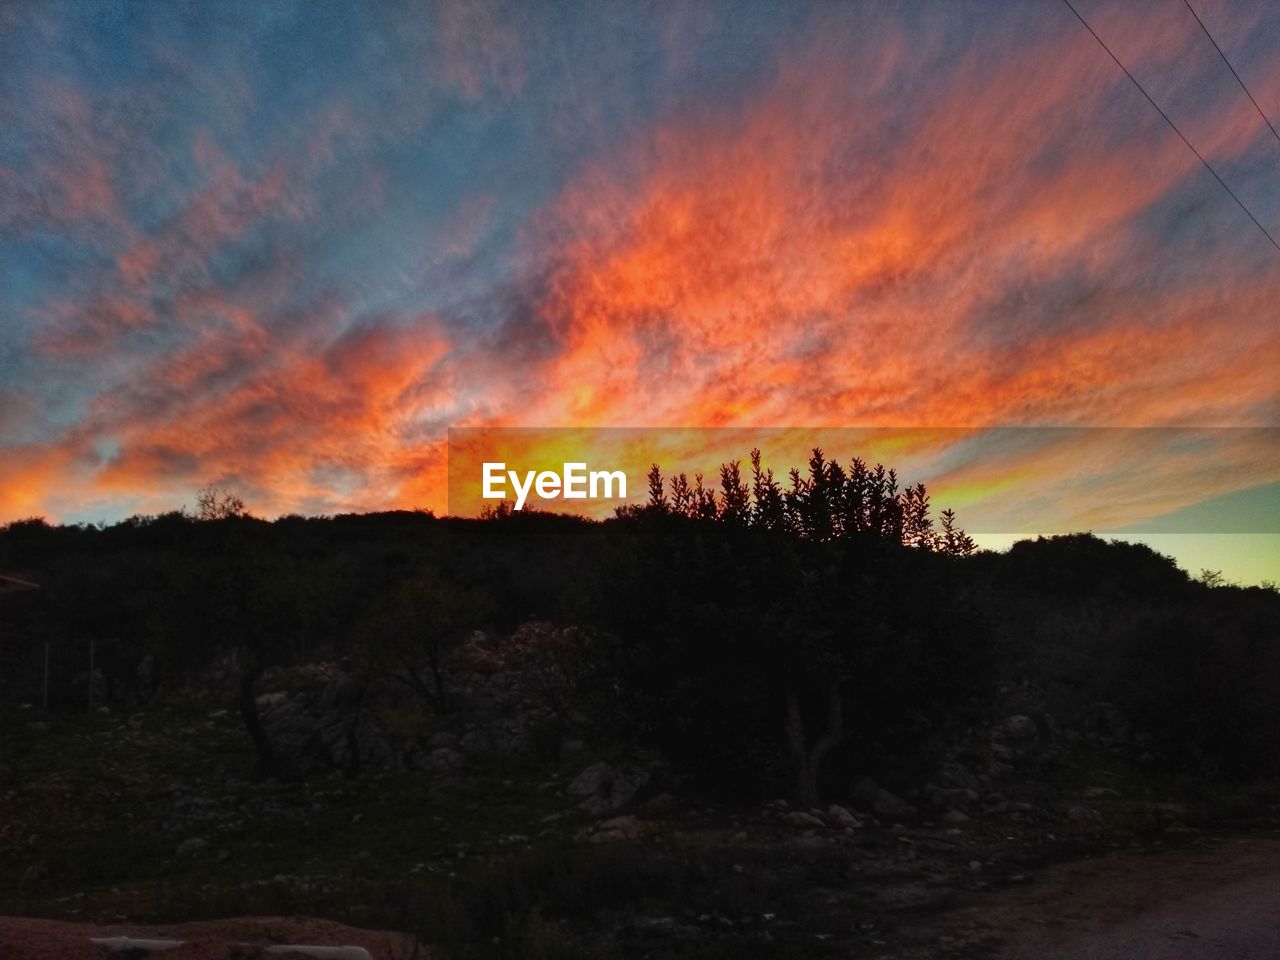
464,832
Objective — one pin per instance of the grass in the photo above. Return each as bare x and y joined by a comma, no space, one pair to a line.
486,867
483,868
91,817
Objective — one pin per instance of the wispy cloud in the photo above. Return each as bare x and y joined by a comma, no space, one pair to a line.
286,252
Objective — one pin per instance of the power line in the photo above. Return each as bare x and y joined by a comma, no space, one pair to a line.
1233,70
1167,120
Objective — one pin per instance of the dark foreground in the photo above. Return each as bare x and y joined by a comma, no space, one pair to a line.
131,821
1219,901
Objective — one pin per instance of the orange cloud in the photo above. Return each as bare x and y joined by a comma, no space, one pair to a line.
792,261
333,429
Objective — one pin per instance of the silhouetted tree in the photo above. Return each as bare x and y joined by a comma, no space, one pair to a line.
657,493
953,541
215,504
411,626
682,496
735,498
768,511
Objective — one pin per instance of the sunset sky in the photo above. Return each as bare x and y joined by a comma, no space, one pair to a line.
283,247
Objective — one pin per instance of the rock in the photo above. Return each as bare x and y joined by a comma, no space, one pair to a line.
810,841
145,673
193,846
1081,814
798,818
619,828
956,775
1106,725
269,701
601,789
342,692
1168,812
954,817
881,802
476,742
1101,792
661,804
842,817
953,798
444,740
442,760
1018,728
313,740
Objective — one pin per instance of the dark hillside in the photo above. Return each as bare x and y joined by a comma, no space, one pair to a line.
798,722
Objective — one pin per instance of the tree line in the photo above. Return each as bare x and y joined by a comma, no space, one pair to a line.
767,635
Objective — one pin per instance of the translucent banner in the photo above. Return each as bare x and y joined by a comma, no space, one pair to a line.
998,480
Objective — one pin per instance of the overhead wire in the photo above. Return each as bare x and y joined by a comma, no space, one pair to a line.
1167,119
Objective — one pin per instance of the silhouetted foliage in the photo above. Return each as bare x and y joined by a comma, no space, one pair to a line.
1089,621
215,504
757,657
765,635
825,503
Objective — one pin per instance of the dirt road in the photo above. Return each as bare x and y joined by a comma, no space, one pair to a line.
1221,903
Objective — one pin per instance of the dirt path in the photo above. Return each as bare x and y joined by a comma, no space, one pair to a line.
1211,904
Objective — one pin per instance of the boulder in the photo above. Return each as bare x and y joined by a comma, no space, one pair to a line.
885,805
955,774
952,798
842,817
311,739
444,740
601,789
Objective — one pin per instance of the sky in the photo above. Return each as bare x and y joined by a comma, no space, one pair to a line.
284,247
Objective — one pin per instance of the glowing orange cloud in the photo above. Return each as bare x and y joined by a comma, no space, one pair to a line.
739,272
